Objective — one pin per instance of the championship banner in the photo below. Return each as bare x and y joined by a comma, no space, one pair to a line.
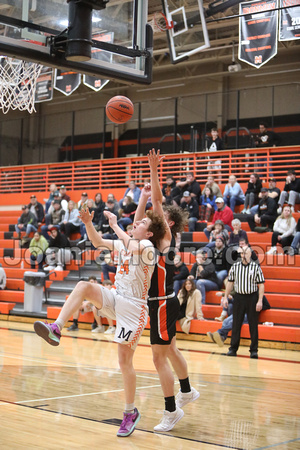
289,20
93,82
66,82
44,85
258,32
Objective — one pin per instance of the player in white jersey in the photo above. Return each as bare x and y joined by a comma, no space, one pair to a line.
127,305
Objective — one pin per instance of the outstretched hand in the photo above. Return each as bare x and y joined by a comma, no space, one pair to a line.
146,191
154,158
112,218
85,215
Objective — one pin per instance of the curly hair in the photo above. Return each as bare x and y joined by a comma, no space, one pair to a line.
157,226
178,216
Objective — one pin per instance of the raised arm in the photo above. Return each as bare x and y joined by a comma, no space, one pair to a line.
93,235
140,211
131,244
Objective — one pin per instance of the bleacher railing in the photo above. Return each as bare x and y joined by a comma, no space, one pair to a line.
116,173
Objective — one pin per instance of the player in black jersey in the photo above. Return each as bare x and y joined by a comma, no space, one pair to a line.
164,306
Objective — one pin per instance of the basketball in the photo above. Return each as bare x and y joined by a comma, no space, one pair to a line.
119,109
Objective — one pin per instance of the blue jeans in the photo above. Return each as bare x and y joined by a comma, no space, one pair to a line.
29,229
221,275
106,269
254,210
232,201
206,286
227,326
296,240
206,232
177,285
124,222
192,223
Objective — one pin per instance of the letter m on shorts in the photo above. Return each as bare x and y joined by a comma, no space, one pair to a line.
123,335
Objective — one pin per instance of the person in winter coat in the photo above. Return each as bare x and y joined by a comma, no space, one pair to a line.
283,230
190,305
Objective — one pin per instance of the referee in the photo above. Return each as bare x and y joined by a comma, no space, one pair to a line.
248,281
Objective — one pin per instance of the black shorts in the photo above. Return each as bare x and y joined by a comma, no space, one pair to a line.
163,317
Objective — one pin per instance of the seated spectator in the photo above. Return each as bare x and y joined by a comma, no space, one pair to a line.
26,222
133,192
252,192
190,204
273,192
71,222
126,212
219,260
91,207
223,213
213,186
291,192
217,230
233,194
99,204
83,200
37,209
170,191
181,272
266,138
204,274
190,305
111,197
266,213
37,248
2,278
58,253
54,218
243,243
52,190
207,204
214,144
188,184
283,231
103,224
63,194
236,234
295,248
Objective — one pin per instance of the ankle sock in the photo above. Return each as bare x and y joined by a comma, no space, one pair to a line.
129,408
185,385
59,323
170,404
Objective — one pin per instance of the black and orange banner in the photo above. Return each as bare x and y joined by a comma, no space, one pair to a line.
44,85
66,81
258,32
93,82
289,21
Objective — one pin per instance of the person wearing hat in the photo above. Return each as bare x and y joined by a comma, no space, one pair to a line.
252,192
218,230
273,192
188,184
189,204
27,222
266,213
37,209
63,193
54,218
83,200
2,278
52,190
222,213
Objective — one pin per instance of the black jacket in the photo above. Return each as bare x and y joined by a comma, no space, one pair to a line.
254,187
25,219
293,185
39,211
267,206
61,241
181,272
208,272
192,208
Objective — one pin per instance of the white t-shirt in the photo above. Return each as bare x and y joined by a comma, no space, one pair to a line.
134,271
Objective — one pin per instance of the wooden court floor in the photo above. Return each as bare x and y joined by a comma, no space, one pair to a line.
71,396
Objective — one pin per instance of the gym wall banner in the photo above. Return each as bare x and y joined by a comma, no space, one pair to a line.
66,81
44,85
289,20
258,32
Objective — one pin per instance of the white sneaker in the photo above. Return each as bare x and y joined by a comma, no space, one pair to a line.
292,209
99,329
279,210
59,268
48,268
248,211
243,211
183,398
169,420
110,330
272,251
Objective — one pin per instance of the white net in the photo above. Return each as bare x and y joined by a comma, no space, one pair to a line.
17,84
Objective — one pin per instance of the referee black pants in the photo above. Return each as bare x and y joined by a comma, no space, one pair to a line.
245,303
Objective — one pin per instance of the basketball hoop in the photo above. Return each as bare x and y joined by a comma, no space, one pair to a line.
160,22
17,84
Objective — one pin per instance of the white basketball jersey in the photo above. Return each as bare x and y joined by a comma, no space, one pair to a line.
134,272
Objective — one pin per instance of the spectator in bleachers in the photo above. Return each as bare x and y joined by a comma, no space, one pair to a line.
83,201
71,222
237,233
181,272
219,259
190,305
169,190
204,274
91,207
222,213
2,278
283,230
64,197
243,244
291,191
115,210
217,230
266,138
266,213
127,212
37,209
207,204
133,192
58,253
273,192
56,196
54,218
188,184
99,205
214,144
103,224
37,247
52,190
213,186
27,222
252,192
295,247
190,204
233,194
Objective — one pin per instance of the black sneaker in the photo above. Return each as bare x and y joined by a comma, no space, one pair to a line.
231,353
254,355
73,327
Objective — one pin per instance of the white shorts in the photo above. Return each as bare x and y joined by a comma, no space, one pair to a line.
131,316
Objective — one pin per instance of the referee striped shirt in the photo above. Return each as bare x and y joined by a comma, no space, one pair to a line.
246,277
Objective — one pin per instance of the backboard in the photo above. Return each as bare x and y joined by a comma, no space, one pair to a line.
47,31
189,33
